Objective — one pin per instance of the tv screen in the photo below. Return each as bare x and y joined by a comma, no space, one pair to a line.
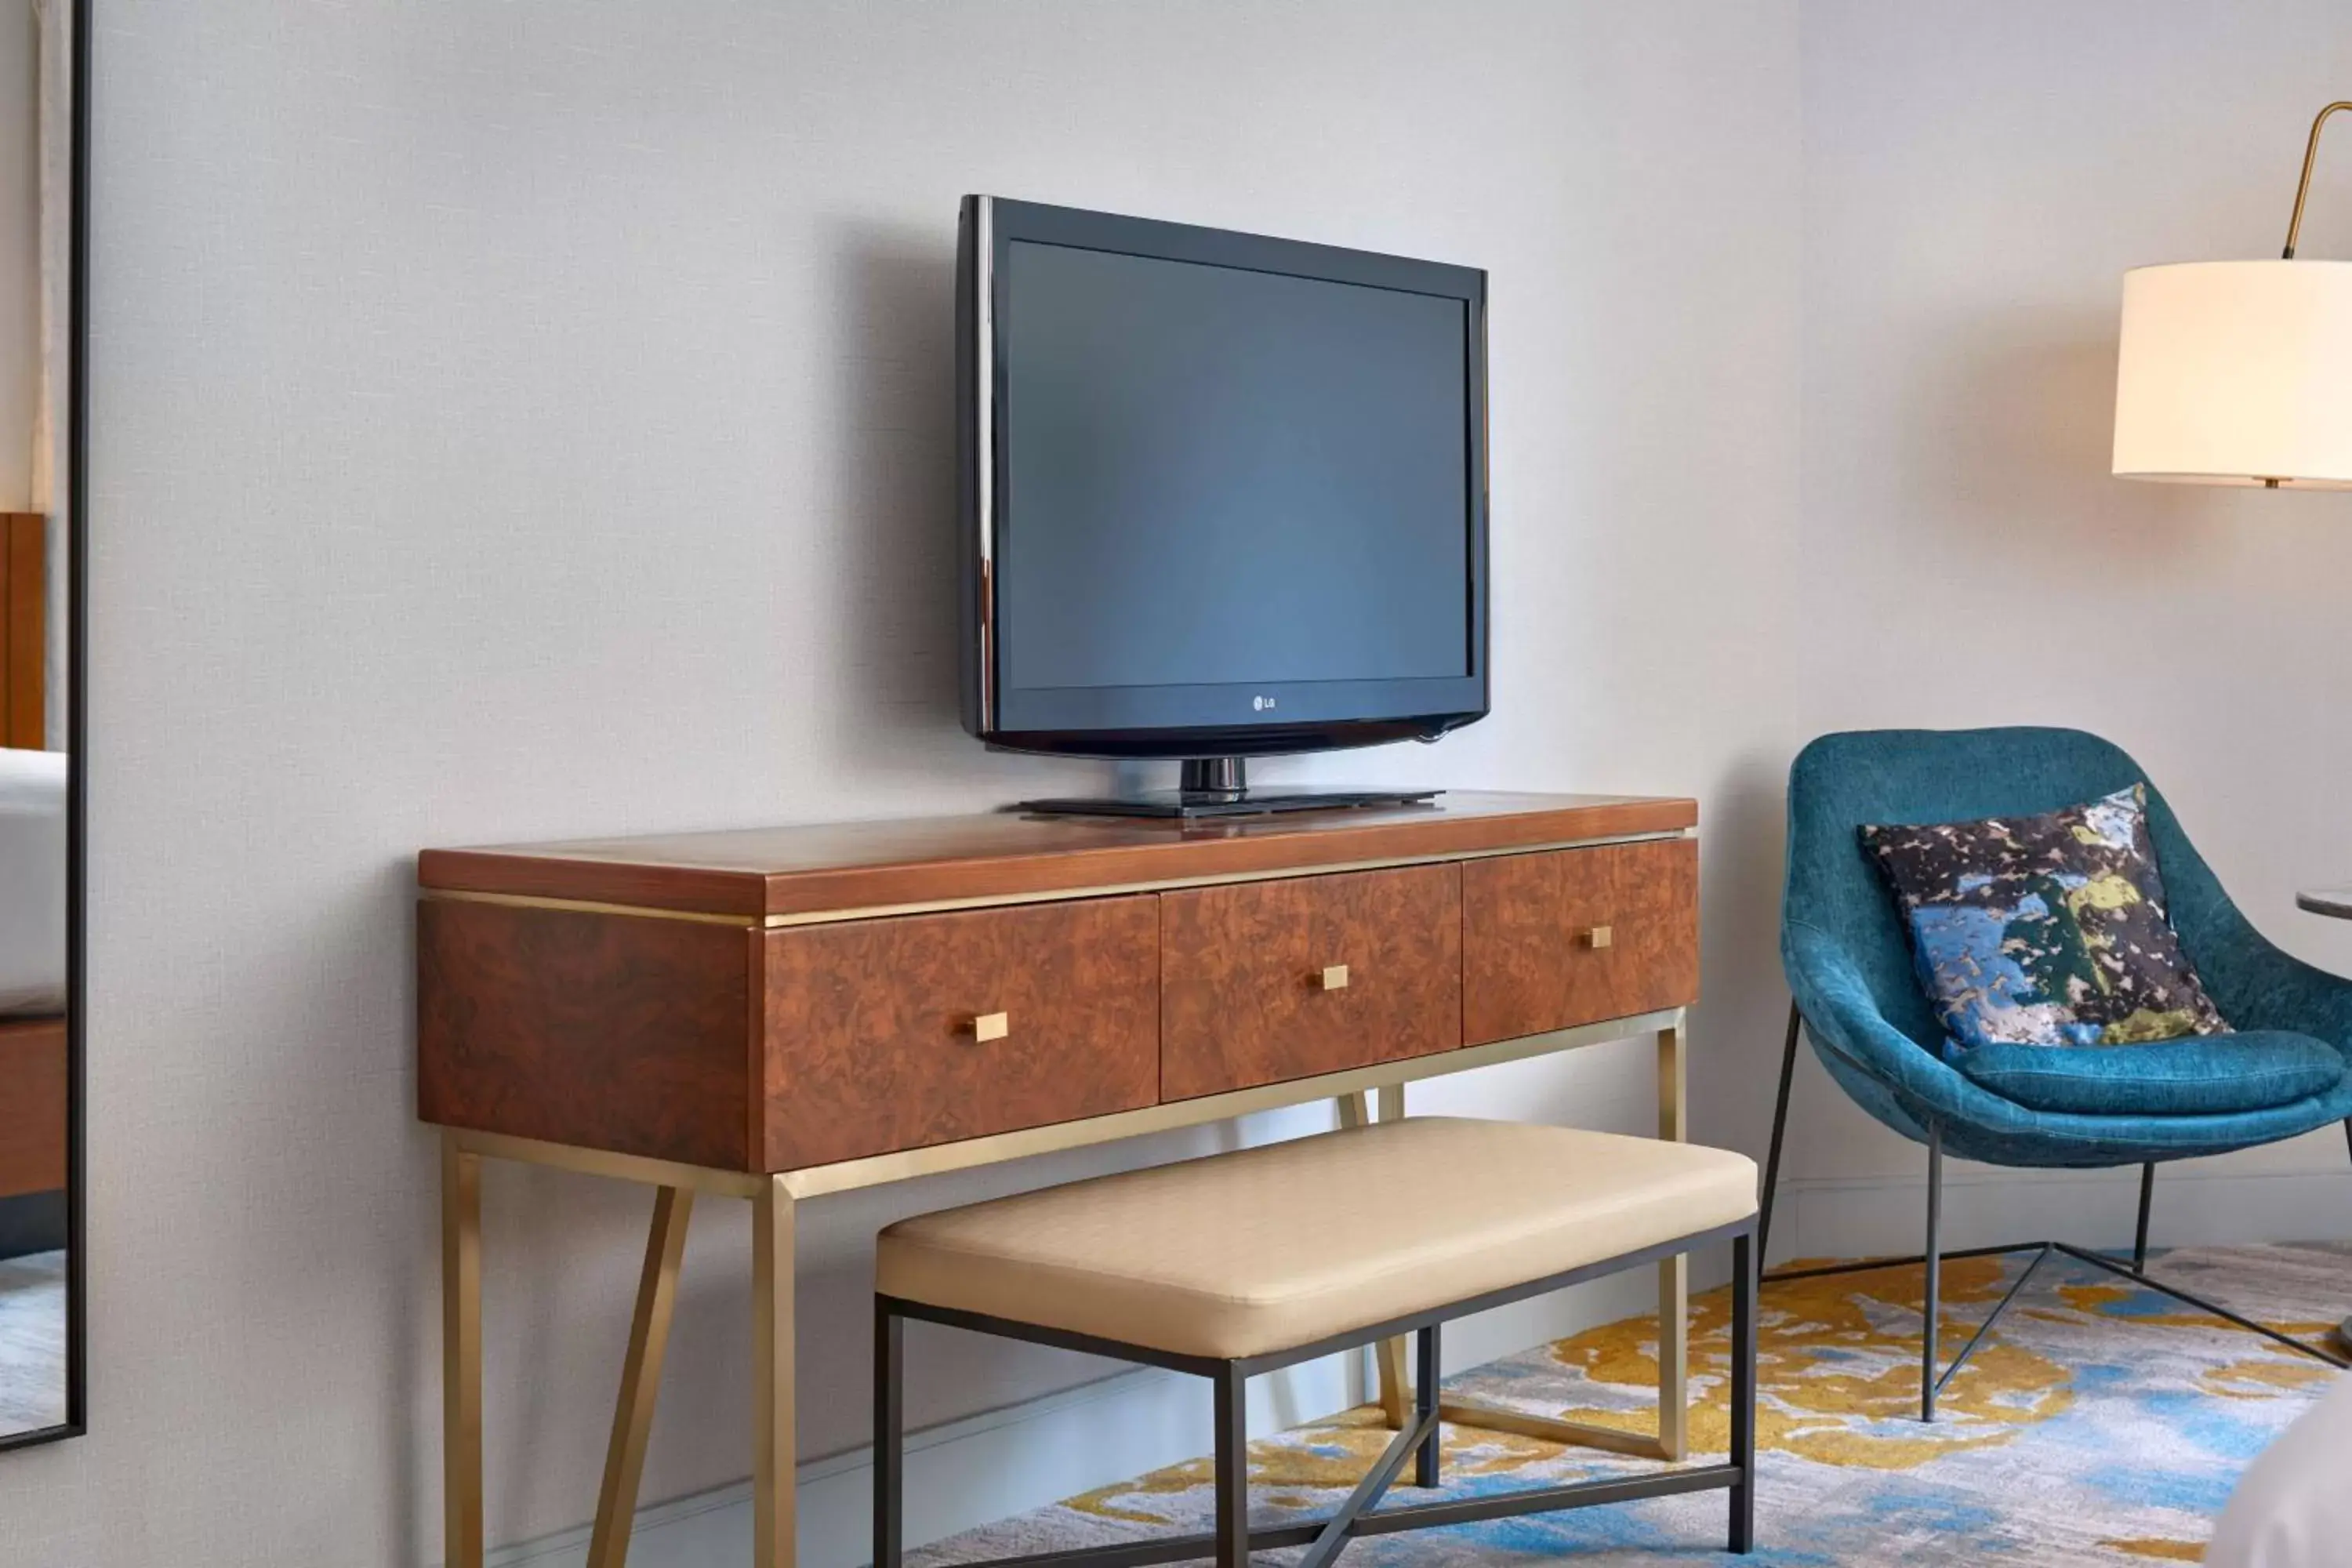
1226,493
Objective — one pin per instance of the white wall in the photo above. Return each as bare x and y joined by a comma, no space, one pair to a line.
20,271
1978,175
531,420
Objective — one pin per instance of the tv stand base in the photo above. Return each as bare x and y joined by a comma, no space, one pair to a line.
1219,786
1175,803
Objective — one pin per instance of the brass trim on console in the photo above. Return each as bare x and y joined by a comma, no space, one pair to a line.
875,1170
587,907
1047,896
904,1164
635,1168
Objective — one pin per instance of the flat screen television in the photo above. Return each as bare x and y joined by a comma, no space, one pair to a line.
1223,496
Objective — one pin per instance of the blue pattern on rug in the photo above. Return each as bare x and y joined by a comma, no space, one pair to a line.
2101,1423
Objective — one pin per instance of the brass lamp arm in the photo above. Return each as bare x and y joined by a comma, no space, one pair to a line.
2310,153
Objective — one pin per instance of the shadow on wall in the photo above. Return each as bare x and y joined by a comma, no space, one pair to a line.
894,516
2015,423
1735,1030
893,699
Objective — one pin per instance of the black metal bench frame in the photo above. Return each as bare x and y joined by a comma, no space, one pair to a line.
1233,1540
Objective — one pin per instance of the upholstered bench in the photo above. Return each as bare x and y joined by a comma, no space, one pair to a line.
1243,1263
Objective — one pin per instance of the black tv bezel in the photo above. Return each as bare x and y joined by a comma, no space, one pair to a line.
1407,710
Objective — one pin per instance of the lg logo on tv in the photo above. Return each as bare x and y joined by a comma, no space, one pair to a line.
1261,703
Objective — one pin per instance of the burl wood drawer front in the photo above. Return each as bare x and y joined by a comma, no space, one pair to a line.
1246,998
898,1034
1573,936
604,1031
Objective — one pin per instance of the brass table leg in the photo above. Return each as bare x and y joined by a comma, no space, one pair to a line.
1396,1395
633,1414
461,1354
773,1514
675,1186
1671,1440
1674,1274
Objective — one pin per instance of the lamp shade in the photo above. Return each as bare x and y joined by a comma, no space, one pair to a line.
2236,373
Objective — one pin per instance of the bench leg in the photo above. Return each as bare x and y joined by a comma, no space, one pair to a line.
1424,1404
890,1434
1743,1392
1233,1468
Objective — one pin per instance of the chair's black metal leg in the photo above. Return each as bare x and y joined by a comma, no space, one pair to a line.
1744,1254
1984,1329
2147,1198
1231,1467
2100,1261
2343,1328
1424,1404
1878,1264
1780,1130
890,1434
1927,1321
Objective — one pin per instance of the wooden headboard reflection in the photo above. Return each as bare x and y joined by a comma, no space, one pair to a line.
24,638
35,1076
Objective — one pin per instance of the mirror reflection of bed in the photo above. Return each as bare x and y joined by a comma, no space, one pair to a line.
33,1059
42,332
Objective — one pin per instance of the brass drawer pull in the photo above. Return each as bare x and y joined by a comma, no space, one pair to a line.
1600,937
1333,978
992,1026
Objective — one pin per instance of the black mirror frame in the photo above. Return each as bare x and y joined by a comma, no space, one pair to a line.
77,1421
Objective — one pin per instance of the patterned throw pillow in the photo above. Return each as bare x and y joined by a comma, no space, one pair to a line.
2045,931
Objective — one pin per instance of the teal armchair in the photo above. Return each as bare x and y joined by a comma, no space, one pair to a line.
1856,993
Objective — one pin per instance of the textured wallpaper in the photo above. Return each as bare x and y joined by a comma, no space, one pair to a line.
524,419
518,418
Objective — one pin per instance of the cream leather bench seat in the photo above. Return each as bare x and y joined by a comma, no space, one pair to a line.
1243,1262
1266,1248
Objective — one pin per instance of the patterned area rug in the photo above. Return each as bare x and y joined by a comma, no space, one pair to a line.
2100,1423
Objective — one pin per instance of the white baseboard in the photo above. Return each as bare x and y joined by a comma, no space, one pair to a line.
1001,1462
1067,1441
965,1472
2194,1206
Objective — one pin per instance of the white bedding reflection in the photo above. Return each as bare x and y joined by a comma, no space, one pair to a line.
32,883
32,1089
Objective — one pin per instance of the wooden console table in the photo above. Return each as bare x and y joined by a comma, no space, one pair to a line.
779,1013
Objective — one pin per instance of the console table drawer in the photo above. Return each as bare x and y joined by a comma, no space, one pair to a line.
1262,981
1573,936
898,1034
